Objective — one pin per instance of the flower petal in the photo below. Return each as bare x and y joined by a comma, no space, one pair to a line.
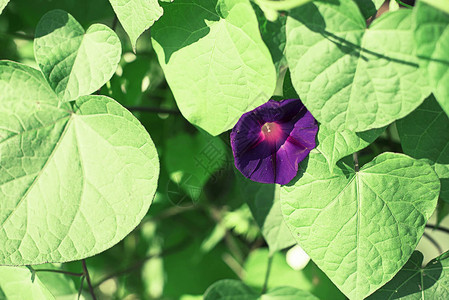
267,161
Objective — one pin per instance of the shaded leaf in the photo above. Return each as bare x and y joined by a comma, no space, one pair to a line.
425,134
417,282
234,289
75,179
350,77
218,66
263,201
76,63
361,227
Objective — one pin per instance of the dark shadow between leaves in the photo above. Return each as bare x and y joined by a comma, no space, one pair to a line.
183,24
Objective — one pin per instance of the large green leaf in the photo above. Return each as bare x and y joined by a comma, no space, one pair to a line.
360,227
136,16
214,60
425,134
263,201
76,63
432,43
237,290
417,282
3,4
75,180
351,77
20,283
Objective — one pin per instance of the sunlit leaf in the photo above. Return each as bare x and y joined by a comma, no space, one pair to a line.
432,42
136,16
361,227
214,60
75,62
76,177
351,77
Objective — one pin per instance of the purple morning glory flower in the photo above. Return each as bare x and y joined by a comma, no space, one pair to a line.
270,141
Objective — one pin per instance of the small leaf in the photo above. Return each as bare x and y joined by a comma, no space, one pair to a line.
263,201
432,43
335,145
425,134
136,16
417,282
18,283
3,4
76,63
361,227
351,77
218,67
75,180
234,289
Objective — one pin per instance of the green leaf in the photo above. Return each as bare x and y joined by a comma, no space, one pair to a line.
3,4
136,16
21,283
334,145
263,201
218,66
351,77
236,290
417,282
425,134
310,279
440,4
192,160
432,43
76,63
75,180
360,227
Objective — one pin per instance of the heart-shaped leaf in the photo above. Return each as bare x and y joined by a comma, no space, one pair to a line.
218,67
361,227
417,282
432,43
236,290
425,134
136,16
76,63
351,77
76,177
